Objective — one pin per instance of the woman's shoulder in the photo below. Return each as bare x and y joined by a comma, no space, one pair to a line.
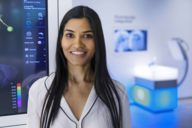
41,85
120,88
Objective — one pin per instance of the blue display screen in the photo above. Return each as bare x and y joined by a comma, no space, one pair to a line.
23,51
130,40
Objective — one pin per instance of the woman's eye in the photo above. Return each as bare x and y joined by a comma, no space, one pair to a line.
88,36
69,35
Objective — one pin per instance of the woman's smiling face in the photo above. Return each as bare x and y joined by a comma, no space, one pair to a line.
78,42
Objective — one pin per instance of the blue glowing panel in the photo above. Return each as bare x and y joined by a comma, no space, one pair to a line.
141,96
157,100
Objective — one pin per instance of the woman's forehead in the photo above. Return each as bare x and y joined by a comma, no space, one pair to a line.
78,24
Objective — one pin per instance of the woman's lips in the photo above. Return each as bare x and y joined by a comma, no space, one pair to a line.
78,53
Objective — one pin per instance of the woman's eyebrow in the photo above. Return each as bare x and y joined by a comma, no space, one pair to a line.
88,31
69,30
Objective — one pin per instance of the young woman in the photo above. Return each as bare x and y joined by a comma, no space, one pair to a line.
80,94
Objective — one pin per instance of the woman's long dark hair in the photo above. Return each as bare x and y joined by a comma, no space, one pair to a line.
103,84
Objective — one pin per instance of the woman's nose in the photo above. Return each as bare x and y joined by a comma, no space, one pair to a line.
78,42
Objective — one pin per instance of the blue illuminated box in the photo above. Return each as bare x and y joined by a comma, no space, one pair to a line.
156,100
155,88
155,95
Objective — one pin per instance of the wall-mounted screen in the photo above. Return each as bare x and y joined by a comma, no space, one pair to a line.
130,40
23,51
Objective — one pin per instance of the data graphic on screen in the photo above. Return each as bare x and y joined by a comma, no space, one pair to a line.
23,51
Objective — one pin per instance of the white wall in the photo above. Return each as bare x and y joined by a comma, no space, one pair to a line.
56,10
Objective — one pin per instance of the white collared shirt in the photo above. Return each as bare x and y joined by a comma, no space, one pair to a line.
95,113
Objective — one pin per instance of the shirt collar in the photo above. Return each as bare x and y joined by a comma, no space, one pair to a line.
87,108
